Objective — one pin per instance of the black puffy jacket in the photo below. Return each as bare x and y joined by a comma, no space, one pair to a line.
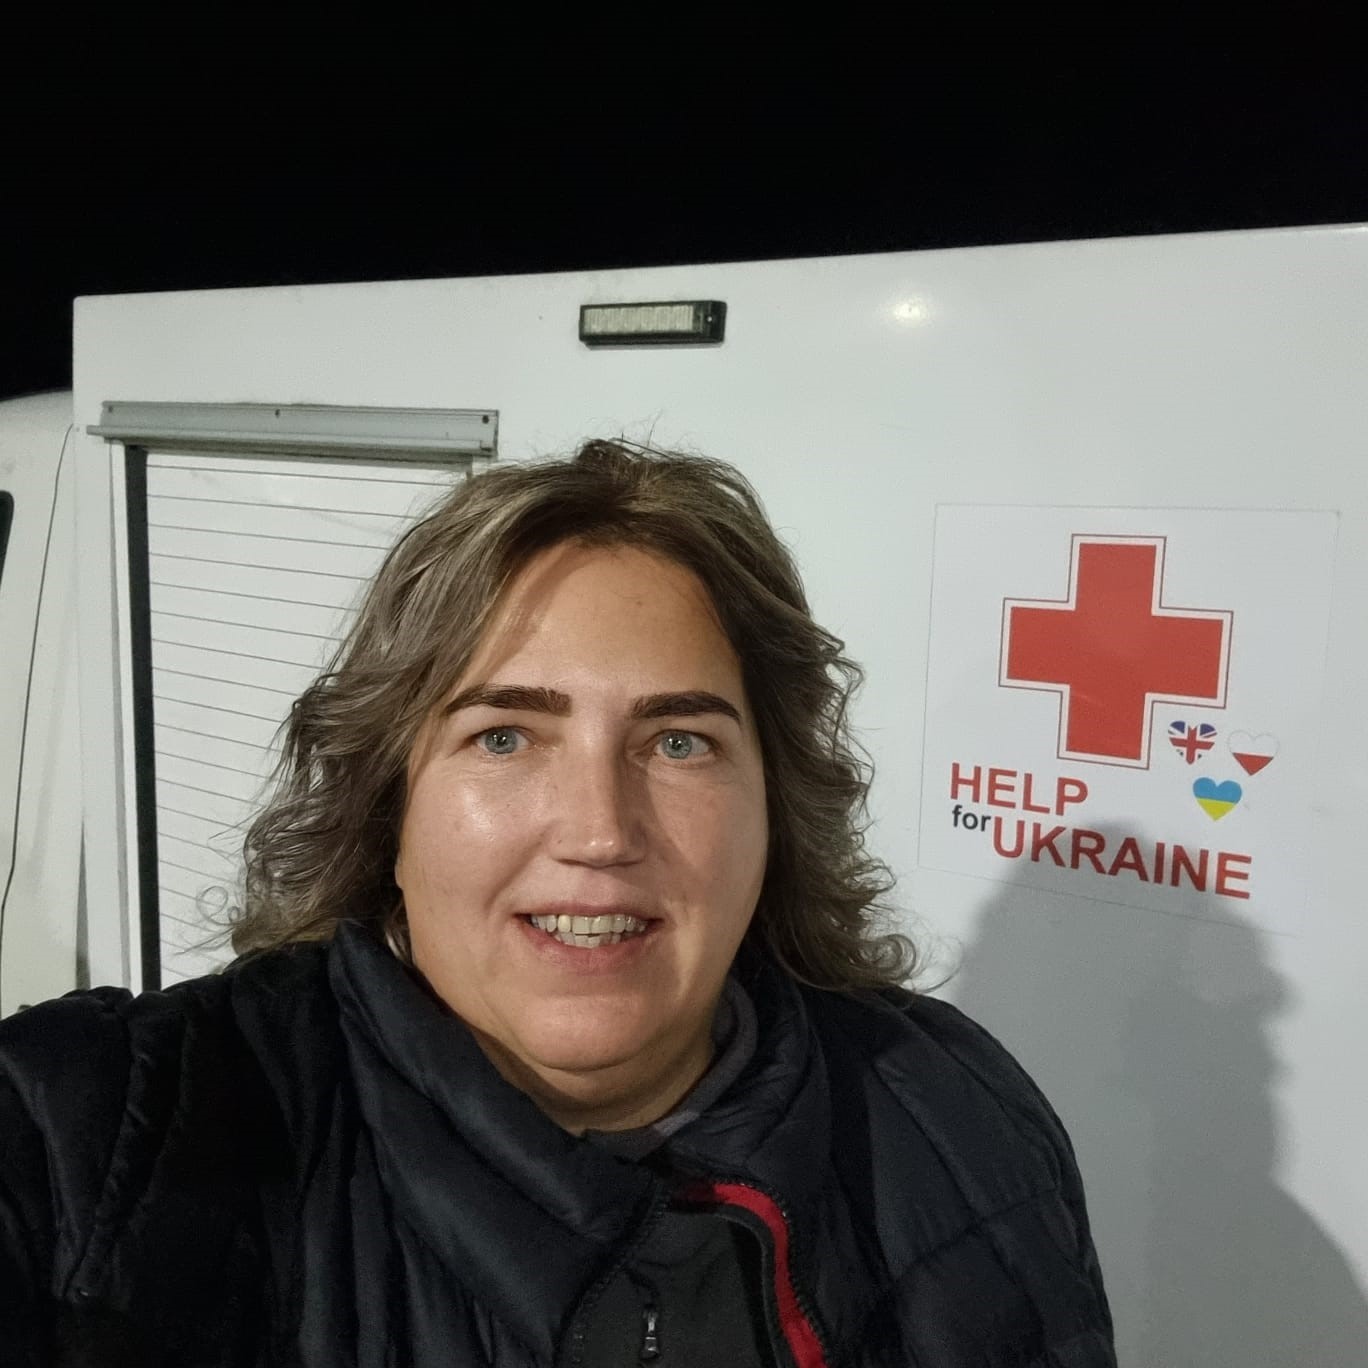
308,1161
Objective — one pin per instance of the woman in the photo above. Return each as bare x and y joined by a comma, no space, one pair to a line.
562,1031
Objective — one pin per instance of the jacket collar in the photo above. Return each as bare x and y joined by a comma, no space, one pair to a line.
772,1127
522,1213
494,1188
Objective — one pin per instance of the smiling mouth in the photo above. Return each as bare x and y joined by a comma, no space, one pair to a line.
588,933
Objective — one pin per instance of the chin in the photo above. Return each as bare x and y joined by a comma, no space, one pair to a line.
579,1050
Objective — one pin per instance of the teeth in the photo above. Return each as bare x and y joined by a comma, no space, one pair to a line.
590,932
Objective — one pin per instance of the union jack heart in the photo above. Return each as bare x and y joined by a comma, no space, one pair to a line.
1192,739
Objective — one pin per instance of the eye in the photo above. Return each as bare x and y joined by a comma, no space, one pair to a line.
499,740
682,745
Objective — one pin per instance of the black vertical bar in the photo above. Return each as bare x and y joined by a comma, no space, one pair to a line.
6,516
144,762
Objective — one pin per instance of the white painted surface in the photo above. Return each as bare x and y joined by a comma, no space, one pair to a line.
1210,1074
38,939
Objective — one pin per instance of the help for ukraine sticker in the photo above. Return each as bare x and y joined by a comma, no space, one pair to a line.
1121,703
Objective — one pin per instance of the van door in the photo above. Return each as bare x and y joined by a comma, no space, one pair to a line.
40,780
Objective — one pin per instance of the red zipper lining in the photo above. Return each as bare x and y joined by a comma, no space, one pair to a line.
797,1329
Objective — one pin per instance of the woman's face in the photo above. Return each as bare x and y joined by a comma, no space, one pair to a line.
597,759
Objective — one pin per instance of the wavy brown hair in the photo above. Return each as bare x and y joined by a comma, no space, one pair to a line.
323,849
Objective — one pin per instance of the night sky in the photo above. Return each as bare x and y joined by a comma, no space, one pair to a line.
129,207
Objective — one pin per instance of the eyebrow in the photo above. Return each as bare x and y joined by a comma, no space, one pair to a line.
511,697
519,698
690,703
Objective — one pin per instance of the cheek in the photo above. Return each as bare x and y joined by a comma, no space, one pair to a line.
724,839
451,832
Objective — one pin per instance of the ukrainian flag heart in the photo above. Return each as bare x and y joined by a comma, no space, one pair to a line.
1216,799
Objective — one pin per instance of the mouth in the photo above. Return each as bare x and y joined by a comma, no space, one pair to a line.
589,933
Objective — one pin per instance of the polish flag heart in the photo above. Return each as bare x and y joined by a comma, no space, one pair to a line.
1251,752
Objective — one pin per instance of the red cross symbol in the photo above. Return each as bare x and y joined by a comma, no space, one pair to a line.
1112,649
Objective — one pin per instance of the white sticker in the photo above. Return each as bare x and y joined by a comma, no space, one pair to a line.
1121,704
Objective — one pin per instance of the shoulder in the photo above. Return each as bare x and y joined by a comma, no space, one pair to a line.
137,1138
83,1049
964,1154
98,1081
952,1081
945,1167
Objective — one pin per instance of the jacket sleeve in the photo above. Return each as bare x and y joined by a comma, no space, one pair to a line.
63,1074
26,1235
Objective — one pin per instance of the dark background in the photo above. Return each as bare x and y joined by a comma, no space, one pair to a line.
139,196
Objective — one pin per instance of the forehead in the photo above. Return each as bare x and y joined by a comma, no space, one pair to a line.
612,612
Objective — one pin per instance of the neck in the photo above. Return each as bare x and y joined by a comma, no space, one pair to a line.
617,1097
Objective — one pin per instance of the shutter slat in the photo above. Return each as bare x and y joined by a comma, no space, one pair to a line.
211,723
320,526
264,553
350,489
180,629
274,586
211,866
251,670
230,755
272,613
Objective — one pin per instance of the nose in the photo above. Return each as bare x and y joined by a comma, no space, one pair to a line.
599,812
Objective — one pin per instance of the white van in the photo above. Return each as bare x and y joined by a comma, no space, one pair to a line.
1094,517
